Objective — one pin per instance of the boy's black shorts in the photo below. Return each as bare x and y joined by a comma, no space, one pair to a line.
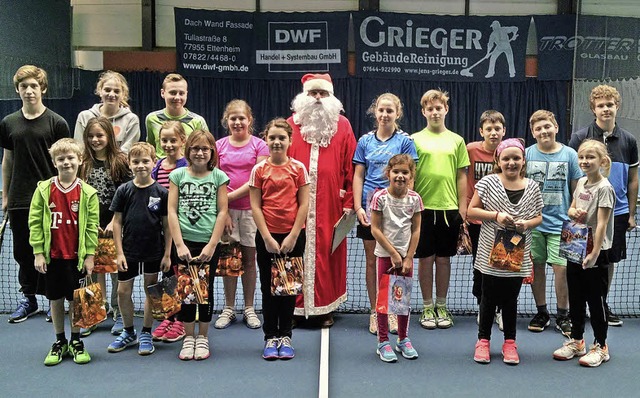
439,231
62,278
136,268
364,233
618,250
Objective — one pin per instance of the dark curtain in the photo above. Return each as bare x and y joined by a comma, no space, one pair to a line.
271,98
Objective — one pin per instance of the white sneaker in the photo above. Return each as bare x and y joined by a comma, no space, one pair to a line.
373,323
596,355
226,318
202,348
571,348
499,320
188,348
393,323
250,318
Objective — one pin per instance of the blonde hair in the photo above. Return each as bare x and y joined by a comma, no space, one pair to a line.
396,102
142,149
542,114
31,71
176,126
108,75
172,78
64,145
234,104
604,91
601,150
435,95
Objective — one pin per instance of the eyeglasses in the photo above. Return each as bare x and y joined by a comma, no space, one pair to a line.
196,149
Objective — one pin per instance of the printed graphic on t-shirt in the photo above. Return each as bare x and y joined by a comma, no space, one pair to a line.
196,199
154,204
481,169
551,178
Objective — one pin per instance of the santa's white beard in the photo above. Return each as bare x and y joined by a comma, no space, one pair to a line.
318,121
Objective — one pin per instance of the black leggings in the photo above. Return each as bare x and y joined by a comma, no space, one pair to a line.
503,292
277,311
205,311
587,286
29,278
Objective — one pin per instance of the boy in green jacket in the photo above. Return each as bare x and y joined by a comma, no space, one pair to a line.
63,224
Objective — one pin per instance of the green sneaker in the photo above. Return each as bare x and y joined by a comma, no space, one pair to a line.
428,317
444,320
80,356
57,352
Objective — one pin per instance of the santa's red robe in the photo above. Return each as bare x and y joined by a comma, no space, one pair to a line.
331,174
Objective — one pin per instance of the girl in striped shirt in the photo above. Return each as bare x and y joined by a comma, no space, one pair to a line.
505,201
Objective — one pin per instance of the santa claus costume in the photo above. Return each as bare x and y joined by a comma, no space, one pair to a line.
324,141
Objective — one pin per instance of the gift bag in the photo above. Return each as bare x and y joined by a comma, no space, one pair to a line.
576,241
508,250
88,305
164,298
104,261
394,294
286,276
230,259
193,282
464,241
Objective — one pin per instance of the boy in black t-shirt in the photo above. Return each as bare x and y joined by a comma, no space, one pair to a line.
26,136
143,242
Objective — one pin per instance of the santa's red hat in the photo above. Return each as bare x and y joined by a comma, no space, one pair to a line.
317,81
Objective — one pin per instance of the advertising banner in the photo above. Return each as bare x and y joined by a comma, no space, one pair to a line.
440,48
556,45
234,44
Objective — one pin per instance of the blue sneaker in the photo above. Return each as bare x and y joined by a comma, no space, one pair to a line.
385,352
271,349
145,346
285,349
118,326
123,341
405,347
48,317
25,309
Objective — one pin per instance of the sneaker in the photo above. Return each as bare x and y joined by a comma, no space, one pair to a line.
428,317
47,318
226,318
393,323
510,352
123,341
285,349
563,325
145,344
540,321
250,318
118,326
80,355
596,355
482,353
202,348
571,348
373,323
499,320
25,309
270,351
444,320
84,332
175,332
612,318
162,329
188,348
405,347
58,350
385,352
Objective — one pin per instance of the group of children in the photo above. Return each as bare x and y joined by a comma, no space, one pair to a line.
176,209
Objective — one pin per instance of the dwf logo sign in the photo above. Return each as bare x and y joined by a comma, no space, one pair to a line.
298,47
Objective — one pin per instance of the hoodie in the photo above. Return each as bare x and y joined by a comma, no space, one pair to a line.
125,123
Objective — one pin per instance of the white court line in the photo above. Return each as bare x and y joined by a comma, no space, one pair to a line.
323,385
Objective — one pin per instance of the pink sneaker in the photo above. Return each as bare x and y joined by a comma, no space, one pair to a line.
162,329
176,332
482,351
510,352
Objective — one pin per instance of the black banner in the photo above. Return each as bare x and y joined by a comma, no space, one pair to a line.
440,48
235,44
556,45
